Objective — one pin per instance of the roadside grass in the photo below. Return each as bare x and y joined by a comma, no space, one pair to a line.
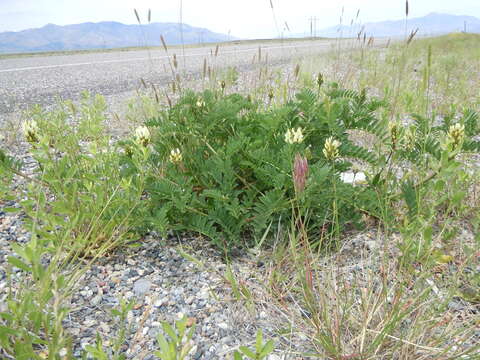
10,130
428,76
383,268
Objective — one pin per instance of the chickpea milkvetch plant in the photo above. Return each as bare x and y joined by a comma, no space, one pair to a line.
224,164
435,181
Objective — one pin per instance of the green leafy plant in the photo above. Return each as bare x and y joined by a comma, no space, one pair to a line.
224,165
261,350
179,342
79,177
114,351
79,205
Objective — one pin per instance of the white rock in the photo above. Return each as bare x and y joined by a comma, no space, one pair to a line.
96,300
160,302
273,357
203,294
105,328
223,326
371,244
89,322
354,179
141,287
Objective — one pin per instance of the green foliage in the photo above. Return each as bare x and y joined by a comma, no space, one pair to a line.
113,352
235,173
79,204
179,342
222,166
261,350
80,184
35,310
8,168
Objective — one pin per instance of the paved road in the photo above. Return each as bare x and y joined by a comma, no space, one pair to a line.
42,79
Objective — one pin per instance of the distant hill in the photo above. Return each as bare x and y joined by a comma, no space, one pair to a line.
102,35
431,24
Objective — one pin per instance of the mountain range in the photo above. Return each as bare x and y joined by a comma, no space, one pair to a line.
431,24
103,35
111,34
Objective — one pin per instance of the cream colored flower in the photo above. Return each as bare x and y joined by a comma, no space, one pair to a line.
175,156
293,136
30,130
394,130
142,135
200,103
455,135
330,149
410,137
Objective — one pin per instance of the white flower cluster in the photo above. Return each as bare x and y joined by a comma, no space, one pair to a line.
175,156
30,130
142,135
330,149
293,136
455,135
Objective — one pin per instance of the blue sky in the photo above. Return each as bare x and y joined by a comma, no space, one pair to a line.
243,18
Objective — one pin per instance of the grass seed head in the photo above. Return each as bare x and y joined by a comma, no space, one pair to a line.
394,130
410,137
320,79
270,94
300,173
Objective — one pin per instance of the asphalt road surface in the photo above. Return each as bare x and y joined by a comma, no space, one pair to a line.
29,80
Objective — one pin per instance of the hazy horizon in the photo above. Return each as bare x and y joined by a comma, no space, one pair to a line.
248,19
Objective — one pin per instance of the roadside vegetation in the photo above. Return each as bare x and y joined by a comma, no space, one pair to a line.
353,179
